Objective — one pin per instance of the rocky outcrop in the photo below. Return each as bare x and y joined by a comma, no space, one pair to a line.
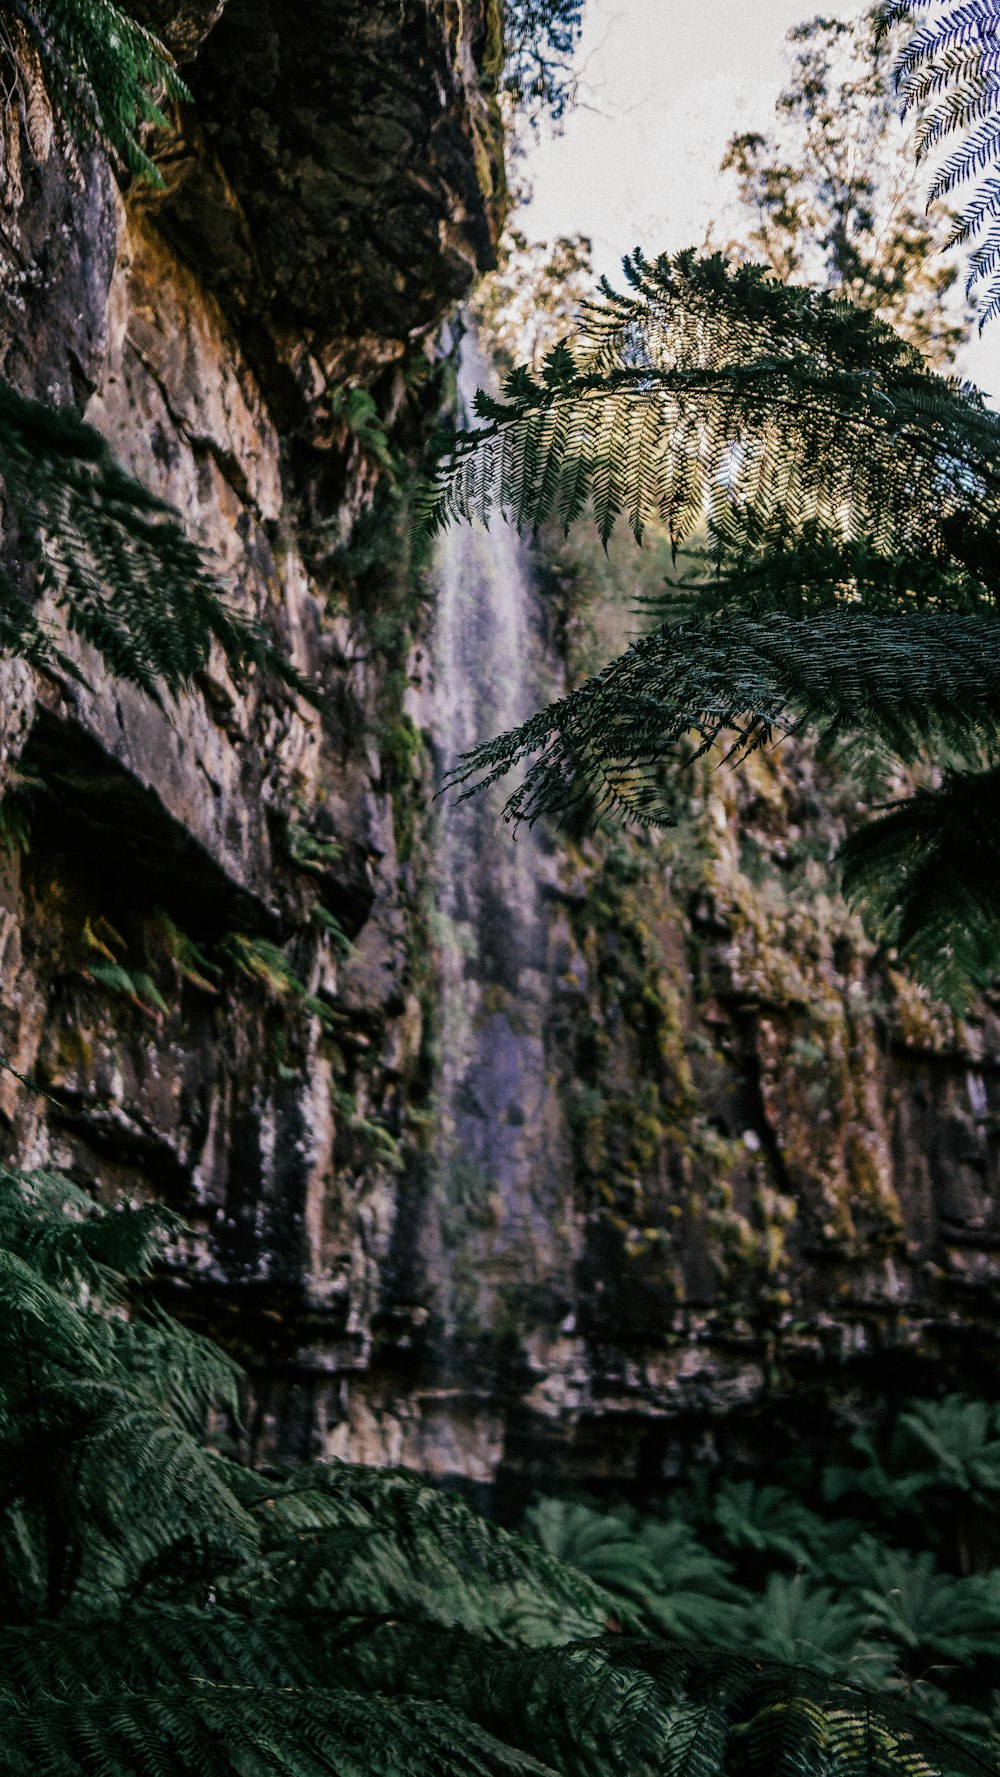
753,1179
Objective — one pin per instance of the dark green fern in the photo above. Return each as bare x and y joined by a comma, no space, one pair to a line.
928,868
114,558
909,680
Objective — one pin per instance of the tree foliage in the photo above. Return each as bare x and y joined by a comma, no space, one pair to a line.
540,37
165,1608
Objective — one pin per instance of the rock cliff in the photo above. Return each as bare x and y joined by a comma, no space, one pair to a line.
766,1169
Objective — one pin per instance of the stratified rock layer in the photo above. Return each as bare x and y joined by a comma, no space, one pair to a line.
769,1169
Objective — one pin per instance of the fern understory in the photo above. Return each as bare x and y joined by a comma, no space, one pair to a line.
878,1561
167,1609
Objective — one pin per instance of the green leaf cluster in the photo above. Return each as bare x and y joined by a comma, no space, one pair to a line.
262,961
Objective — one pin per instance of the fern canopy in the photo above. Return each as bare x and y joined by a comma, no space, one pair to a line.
105,72
165,1608
949,73
112,556
852,499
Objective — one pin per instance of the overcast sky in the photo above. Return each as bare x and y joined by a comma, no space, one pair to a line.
663,85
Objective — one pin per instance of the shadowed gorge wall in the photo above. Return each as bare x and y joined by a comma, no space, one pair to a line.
754,1176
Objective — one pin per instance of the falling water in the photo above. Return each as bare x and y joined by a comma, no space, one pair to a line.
494,1119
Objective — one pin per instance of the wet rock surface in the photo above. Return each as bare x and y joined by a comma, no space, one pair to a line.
767,1165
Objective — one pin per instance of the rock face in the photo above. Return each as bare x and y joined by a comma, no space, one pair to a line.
715,1172
208,940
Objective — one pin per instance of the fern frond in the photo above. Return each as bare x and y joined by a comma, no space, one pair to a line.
105,72
949,69
957,1441
714,389
114,558
929,676
927,871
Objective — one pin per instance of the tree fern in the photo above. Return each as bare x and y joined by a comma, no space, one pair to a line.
853,505
909,680
673,1582
847,1565
165,1609
918,1607
959,1444
768,1520
112,556
710,389
795,1619
949,73
105,72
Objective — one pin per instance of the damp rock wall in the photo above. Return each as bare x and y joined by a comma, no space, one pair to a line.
751,1182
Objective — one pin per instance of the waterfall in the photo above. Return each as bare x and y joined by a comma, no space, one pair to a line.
494,1161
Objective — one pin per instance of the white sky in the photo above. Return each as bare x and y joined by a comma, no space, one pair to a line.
664,84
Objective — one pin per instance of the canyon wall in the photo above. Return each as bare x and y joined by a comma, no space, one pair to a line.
713,1170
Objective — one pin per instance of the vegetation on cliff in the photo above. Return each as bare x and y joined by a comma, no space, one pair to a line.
107,75
112,557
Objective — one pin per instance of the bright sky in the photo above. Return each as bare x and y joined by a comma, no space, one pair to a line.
663,85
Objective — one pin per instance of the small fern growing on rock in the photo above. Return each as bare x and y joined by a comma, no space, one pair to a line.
114,558
106,74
